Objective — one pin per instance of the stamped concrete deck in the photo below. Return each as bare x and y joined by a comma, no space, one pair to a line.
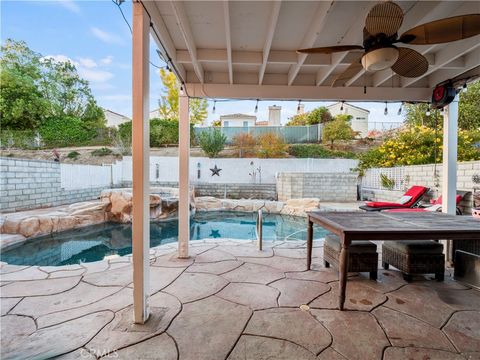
230,301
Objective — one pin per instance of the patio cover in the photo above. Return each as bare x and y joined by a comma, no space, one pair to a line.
246,50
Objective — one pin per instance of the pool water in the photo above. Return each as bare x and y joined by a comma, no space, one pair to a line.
96,242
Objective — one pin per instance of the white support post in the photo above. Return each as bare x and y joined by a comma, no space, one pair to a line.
450,142
140,159
183,178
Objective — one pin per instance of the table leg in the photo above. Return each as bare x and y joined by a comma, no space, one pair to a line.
343,273
309,243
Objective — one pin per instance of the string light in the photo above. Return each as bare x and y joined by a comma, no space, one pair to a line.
399,112
214,103
385,112
256,107
298,106
428,111
341,107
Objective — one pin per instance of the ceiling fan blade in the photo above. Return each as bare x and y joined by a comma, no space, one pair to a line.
443,30
330,49
410,63
386,18
351,71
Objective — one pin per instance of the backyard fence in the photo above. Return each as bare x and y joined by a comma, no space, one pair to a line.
289,134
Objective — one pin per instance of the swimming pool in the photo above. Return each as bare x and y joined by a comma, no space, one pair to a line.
95,242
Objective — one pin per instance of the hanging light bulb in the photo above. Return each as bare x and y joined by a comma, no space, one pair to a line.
341,107
214,103
385,112
427,112
298,106
256,107
399,112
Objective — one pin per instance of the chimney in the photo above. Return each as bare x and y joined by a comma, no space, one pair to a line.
300,109
274,115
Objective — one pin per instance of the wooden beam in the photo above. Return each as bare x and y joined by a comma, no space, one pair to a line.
141,162
312,92
184,25
163,40
314,29
183,177
268,41
226,15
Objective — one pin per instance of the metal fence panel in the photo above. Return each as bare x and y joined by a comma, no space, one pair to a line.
290,134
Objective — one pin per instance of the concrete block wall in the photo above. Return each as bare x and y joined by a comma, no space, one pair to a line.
338,187
424,175
29,184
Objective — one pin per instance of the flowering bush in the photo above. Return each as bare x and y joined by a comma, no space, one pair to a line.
416,145
245,143
271,145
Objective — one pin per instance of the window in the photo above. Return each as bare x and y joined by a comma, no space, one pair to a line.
245,124
225,123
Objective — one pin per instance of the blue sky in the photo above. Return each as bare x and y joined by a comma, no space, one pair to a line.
94,36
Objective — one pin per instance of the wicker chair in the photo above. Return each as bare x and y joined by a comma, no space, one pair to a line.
362,257
415,257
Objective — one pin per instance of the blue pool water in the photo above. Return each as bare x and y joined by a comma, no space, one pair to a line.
98,241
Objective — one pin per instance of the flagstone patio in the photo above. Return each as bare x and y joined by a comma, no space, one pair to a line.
231,301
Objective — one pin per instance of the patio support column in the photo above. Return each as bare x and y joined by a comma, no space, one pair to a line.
450,143
183,176
140,160
449,181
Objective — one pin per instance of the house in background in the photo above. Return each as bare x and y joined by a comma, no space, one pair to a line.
114,119
244,120
359,115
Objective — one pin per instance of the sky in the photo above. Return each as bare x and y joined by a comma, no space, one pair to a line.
94,36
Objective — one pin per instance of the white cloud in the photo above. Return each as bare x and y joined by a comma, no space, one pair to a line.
69,5
85,68
87,62
107,60
106,37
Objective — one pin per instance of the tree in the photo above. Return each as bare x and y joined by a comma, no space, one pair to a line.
212,142
319,115
35,88
168,106
338,129
22,104
468,111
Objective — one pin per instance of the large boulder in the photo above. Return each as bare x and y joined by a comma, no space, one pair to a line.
300,207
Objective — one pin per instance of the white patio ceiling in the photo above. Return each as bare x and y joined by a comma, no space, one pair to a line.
246,49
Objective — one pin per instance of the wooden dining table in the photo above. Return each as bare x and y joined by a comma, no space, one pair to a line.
387,226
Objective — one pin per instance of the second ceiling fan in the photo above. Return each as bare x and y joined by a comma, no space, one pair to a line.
380,35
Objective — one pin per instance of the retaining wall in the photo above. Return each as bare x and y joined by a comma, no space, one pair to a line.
27,184
338,187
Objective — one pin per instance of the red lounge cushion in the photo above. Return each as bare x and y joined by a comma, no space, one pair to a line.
458,198
407,210
415,192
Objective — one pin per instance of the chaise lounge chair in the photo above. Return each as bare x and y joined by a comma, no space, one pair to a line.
408,200
435,205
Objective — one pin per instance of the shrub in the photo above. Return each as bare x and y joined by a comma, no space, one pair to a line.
104,151
318,151
73,155
416,146
386,182
212,142
338,129
18,139
67,131
245,143
271,146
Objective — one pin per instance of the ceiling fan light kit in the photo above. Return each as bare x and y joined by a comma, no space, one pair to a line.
380,59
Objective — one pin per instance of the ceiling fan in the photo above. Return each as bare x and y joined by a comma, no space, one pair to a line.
380,35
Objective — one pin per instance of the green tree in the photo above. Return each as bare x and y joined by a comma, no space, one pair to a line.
22,104
168,105
319,115
35,88
338,129
416,115
212,142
